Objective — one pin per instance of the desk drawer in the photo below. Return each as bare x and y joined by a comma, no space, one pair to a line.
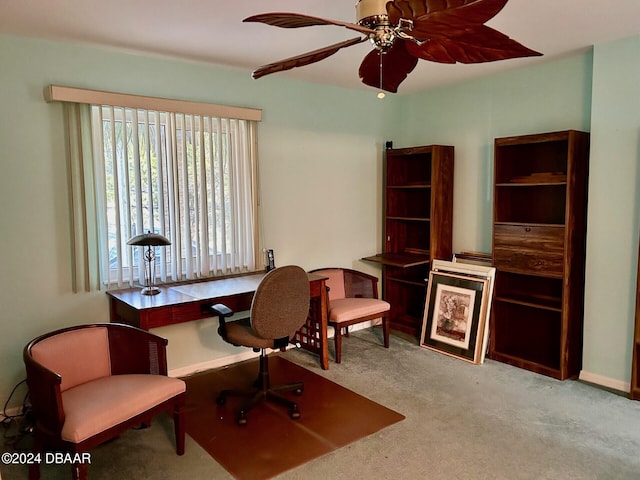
529,249
189,311
156,317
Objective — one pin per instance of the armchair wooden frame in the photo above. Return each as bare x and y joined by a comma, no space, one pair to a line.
356,285
131,351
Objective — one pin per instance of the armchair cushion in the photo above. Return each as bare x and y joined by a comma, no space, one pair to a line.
95,406
346,309
78,356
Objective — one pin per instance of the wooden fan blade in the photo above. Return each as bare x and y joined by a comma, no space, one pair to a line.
305,58
410,9
297,20
454,30
480,44
469,11
397,63
455,20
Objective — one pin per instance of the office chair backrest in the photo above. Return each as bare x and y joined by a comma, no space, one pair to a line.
280,305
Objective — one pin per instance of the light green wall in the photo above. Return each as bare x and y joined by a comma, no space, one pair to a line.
319,160
320,167
548,97
614,210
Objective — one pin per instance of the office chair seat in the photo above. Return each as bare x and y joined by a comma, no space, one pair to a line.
242,335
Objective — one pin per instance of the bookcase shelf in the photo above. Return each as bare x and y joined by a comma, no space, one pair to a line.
539,232
417,219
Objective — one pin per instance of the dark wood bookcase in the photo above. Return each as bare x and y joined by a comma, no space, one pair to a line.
634,394
417,210
539,233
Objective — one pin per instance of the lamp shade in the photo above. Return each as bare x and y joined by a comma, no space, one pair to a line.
147,239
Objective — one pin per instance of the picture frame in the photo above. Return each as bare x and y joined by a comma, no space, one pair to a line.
473,258
473,269
455,315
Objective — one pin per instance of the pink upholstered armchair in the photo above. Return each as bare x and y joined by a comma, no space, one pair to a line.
353,298
89,383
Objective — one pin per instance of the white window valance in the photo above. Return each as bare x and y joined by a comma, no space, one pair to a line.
57,93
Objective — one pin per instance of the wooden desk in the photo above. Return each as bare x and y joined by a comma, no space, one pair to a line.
192,301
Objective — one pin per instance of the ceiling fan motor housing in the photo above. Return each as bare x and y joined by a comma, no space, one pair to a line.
371,12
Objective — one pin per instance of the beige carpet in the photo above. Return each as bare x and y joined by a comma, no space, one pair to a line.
271,443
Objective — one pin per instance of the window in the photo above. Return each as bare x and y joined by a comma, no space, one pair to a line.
188,176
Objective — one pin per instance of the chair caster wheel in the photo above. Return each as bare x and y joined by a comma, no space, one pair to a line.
242,419
221,400
294,414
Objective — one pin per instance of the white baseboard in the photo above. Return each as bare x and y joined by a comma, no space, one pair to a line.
246,354
185,371
605,381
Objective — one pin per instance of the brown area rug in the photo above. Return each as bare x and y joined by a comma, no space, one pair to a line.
271,443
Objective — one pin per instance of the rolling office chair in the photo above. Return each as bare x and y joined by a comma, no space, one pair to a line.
279,308
353,298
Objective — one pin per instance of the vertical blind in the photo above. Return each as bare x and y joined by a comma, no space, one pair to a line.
191,178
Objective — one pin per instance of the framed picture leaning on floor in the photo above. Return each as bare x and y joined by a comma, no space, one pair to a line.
456,311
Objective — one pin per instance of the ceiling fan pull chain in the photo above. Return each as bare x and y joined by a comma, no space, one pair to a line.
381,93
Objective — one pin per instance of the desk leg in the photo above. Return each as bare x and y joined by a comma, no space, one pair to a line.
312,336
324,321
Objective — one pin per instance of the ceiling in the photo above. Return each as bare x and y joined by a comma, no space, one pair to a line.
212,31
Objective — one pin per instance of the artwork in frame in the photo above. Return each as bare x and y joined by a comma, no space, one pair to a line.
455,315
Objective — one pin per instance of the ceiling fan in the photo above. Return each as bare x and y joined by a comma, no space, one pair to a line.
403,31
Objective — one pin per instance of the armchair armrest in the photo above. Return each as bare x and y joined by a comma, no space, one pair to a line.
359,284
44,385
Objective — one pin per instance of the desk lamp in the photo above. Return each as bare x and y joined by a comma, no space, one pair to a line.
149,240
